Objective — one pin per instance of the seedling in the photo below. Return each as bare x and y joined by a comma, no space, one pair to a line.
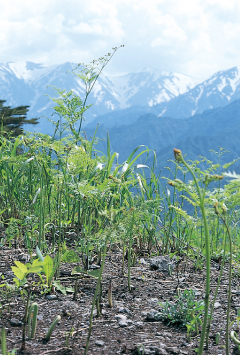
110,302
32,320
185,312
52,327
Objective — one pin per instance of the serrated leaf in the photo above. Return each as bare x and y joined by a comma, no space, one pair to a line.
70,289
60,287
70,256
78,270
94,273
18,273
21,266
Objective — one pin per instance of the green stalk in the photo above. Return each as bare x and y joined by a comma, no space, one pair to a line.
201,194
96,295
4,342
25,321
229,281
51,329
110,302
129,253
216,291
32,321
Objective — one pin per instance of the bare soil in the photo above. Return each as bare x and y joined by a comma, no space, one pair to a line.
124,327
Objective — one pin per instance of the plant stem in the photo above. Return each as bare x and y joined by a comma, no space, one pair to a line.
201,194
96,295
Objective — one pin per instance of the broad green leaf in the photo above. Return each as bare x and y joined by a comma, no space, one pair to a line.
94,273
61,288
17,272
36,262
70,256
21,266
78,270
35,269
48,267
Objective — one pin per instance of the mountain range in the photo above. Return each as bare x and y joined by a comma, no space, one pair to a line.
160,109
27,83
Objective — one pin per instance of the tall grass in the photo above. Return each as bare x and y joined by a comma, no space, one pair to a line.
52,185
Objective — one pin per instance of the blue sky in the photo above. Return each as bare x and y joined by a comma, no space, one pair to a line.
194,37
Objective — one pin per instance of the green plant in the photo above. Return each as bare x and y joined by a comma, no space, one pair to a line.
52,327
198,194
185,312
68,336
217,338
32,320
4,344
110,301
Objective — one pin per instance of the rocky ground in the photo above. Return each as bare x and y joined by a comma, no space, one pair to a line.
132,324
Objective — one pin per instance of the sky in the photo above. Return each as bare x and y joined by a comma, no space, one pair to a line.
193,37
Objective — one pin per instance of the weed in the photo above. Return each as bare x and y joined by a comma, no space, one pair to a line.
184,312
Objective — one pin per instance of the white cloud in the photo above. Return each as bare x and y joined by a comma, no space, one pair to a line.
195,37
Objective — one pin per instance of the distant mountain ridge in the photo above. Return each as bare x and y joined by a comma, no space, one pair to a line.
27,83
218,91
195,136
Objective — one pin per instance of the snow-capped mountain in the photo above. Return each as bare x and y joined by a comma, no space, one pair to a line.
116,100
27,83
219,90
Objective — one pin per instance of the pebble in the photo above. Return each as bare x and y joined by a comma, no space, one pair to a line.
161,351
153,316
23,257
153,300
173,350
217,305
15,322
123,324
161,263
142,261
99,343
121,317
51,297
124,310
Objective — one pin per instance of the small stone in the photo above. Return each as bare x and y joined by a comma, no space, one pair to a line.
99,343
94,267
148,351
197,293
51,297
139,325
153,316
15,322
161,263
153,300
142,261
172,350
121,317
217,305
123,324
161,351
124,310
23,257
163,346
